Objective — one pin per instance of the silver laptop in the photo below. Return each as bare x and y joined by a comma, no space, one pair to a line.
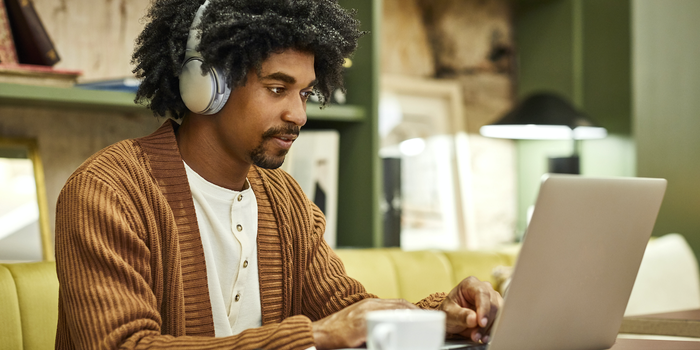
578,263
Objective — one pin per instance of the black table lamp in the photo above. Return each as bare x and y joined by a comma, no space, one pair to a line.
546,116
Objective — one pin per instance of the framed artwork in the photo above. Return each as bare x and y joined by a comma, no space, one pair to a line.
422,123
25,233
313,162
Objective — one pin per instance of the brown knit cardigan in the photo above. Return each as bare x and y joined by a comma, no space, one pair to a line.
131,265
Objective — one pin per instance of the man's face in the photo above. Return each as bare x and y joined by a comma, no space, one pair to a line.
262,118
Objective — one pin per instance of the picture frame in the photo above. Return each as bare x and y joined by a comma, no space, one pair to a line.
313,162
20,157
436,192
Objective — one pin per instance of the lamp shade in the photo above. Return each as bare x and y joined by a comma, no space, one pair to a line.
544,116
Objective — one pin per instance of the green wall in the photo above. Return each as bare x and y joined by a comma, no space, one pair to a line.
359,173
580,50
359,216
544,39
606,56
632,66
666,102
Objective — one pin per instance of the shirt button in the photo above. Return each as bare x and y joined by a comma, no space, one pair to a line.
245,263
240,197
239,228
238,296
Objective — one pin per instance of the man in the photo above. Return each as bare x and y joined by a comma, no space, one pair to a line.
191,237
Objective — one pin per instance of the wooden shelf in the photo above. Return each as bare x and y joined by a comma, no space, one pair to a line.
345,113
45,96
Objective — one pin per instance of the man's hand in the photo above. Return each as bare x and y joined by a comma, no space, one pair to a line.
471,308
347,328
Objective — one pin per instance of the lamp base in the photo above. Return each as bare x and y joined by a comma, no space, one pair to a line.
564,165
392,202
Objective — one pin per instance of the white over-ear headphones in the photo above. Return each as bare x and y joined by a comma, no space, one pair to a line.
202,94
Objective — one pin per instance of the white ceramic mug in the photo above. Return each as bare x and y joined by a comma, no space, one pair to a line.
405,330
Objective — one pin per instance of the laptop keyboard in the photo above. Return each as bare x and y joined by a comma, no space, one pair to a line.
462,344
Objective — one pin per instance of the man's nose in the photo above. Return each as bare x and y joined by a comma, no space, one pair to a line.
296,113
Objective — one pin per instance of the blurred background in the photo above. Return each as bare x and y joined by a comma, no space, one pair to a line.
628,65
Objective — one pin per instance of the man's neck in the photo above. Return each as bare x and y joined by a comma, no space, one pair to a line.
200,149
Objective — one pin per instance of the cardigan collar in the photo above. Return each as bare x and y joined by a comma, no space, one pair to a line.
167,168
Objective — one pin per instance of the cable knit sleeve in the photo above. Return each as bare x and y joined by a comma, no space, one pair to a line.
432,302
109,294
327,288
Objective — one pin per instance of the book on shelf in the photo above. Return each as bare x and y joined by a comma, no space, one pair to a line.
313,162
8,53
129,84
27,74
32,42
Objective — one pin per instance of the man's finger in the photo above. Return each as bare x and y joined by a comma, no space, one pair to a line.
496,303
481,294
461,318
476,335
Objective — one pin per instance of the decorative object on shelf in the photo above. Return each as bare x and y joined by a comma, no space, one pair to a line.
26,51
421,122
339,97
27,74
547,116
33,44
129,84
8,53
313,162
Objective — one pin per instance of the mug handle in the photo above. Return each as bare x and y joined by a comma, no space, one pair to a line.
384,336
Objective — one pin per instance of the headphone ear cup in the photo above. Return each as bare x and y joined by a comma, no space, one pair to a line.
202,93
222,93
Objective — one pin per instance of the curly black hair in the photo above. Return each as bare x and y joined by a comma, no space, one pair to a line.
238,36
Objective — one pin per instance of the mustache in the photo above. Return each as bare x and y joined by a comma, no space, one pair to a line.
281,130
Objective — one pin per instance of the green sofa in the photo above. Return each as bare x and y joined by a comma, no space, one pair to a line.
413,275
668,280
28,305
29,291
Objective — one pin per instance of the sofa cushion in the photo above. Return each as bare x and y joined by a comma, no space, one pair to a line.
421,273
373,268
37,290
10,322
413,275
479,264
667,279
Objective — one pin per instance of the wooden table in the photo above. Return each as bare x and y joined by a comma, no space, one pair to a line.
679,323
670,324
648,344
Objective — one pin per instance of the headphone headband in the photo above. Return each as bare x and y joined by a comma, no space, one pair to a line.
193,38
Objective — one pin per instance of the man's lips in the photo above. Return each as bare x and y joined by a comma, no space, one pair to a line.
286,137
285,140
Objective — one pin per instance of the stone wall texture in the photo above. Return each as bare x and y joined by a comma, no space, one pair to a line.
94,36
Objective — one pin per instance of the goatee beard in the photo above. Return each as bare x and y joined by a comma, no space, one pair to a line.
265,161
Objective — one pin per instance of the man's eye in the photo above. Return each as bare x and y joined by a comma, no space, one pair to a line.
276,90
307,94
